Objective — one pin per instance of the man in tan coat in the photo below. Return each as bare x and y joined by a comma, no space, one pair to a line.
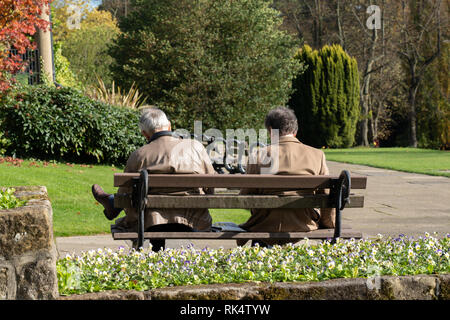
292,158
165,153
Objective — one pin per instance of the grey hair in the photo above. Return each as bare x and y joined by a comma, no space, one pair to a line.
283,119
153,119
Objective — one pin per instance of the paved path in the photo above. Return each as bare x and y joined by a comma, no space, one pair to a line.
395,203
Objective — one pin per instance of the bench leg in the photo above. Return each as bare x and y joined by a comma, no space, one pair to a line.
140,191
341,195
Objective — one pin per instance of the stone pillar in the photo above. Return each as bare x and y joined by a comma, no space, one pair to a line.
44,44
27,248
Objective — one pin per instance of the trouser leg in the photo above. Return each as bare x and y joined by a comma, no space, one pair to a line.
262,244
115,210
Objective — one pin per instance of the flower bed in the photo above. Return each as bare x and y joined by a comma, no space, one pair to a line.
105,269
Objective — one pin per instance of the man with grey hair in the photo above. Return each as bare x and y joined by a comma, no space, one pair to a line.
165,152
293,158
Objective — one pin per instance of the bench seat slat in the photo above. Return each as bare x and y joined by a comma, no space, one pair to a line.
237,181
237,201
317,234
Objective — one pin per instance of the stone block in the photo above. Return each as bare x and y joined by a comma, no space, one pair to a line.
25,229
444,287
248,291
36,276
339,289
27,248
419,287
7,281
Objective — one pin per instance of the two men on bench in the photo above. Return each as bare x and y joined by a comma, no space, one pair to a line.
164,153
294,158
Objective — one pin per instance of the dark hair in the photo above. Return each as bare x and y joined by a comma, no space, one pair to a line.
283,119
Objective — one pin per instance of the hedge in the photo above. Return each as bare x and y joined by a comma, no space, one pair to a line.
62,124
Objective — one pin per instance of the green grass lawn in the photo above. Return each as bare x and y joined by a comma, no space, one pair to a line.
75,211
431,162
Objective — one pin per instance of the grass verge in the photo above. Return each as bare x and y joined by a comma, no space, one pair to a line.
424,161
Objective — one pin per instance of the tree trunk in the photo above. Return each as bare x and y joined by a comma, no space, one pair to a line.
364,121
412,116
339,25
365,91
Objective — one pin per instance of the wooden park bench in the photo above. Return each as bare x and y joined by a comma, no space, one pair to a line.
141,182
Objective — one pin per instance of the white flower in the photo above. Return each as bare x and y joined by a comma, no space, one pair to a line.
331,265
430,260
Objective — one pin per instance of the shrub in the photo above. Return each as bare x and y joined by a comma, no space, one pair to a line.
225,63
115,95
4,143
50,123
326,99
63,72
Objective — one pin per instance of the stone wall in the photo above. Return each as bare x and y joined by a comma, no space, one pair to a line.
419,287
27,249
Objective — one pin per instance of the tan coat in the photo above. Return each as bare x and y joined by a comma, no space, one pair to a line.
170,155
294,158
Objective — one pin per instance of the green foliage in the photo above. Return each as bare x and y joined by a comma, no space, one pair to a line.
116,96
63,74
433,104
326,100
50,123
8,200
225,63
4,143
85,48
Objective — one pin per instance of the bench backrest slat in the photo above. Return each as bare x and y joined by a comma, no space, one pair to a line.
237,181
237,201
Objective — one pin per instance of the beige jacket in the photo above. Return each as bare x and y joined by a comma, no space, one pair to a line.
169,155
295,158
